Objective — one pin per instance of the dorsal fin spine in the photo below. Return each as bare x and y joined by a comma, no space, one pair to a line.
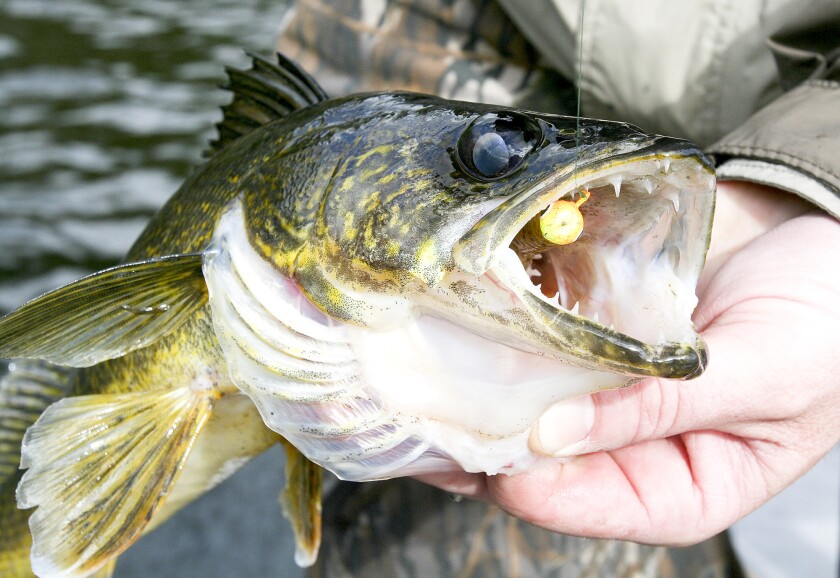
250,85
269,106
288,67
265,92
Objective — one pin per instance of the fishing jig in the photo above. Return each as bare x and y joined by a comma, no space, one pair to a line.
562,222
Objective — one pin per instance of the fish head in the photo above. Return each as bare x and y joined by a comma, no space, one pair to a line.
452,210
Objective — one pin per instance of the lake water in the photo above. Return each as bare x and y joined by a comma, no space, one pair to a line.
105,107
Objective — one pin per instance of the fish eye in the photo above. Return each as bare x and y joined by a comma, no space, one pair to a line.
495,144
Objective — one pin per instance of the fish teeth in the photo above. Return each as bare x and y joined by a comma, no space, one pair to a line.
647,185
615,181
666,165
612,327
675,199
576,309
595,317
661,338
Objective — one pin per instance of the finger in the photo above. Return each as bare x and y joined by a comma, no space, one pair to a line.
674,492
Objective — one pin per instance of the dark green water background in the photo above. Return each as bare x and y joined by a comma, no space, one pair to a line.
105,107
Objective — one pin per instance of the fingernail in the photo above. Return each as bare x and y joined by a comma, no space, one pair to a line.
562,430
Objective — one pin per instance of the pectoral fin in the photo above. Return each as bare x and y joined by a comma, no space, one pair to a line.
107,314
99,467
301,500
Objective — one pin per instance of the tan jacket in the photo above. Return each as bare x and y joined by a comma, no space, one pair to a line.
699,69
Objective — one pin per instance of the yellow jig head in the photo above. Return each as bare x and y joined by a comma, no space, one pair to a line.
562,222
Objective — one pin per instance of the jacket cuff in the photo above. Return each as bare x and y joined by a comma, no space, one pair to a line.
792,144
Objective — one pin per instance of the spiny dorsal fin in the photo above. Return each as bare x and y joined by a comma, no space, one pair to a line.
99,466
107,314
263,93
25,392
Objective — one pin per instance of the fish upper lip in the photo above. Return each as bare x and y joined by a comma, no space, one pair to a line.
682,355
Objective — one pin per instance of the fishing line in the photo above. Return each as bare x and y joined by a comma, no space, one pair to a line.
581,4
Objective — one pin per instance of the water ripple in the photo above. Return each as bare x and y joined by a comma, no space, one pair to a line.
105,107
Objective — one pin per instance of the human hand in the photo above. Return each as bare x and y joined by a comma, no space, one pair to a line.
673,463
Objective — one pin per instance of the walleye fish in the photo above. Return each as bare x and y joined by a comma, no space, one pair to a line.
390,284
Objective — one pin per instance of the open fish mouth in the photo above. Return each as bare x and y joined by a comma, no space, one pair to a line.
621,294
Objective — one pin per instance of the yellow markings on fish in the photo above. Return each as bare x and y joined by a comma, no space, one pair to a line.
427,264
387,178
269,252
333,295
368,174
562,223
404,189
380,150
347,184
419,172
427,255
369,235
350,229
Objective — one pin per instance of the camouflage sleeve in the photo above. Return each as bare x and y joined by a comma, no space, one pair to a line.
458,49
403,528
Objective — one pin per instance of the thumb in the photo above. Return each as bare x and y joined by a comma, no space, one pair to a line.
565,428
608,420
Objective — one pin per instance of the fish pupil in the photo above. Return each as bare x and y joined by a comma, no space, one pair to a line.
490,155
